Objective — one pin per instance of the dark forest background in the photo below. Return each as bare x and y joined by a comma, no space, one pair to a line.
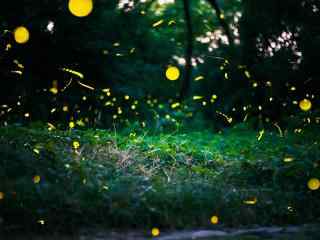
239,60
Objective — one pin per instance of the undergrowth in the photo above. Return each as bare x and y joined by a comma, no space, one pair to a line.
63,180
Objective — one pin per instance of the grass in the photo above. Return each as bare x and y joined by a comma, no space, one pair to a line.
128,179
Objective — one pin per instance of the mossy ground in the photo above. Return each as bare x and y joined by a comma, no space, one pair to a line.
128,179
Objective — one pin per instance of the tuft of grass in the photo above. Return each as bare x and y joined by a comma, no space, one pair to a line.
130,179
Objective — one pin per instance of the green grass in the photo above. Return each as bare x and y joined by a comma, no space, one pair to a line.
127,179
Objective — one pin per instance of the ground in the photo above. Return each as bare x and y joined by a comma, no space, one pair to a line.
54,180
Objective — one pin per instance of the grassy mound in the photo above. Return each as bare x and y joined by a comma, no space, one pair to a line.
66,179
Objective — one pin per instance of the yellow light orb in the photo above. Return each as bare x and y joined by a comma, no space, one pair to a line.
71,124
1,195
76,144
305,105
214,219
314,184
21,35
172,73
80,8
155,232
36,179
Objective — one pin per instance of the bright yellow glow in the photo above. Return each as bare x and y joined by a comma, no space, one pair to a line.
288,159
155,232
305,105
51,126
76,144
214,219
158,23
247,73
260,134
251,201
175,105
80,8
36,151
199,78
36,179
1,195
79,74
54,90
21,35
172,73
314,184
65,108
41,221
71,124
197,97
80,123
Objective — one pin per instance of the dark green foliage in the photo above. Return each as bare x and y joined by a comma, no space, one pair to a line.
180,180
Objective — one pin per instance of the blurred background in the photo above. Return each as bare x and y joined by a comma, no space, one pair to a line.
232,61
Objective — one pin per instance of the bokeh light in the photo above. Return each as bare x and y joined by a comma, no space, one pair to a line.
21,35
80,8
314,184
305,105
155,232
172,73
36,179
214,220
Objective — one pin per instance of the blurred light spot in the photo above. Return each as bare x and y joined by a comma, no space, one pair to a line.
80,75
252,201
158,23
214,220
54,90
305,105
197,97
155,232
21,35
65,108
314,184
80,8
75,144
261,133
172,73
247,73
175,105
288,159
50,26
36,151
71,124
199,78
41,221
36,179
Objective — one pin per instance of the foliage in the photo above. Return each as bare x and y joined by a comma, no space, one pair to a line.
140,179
